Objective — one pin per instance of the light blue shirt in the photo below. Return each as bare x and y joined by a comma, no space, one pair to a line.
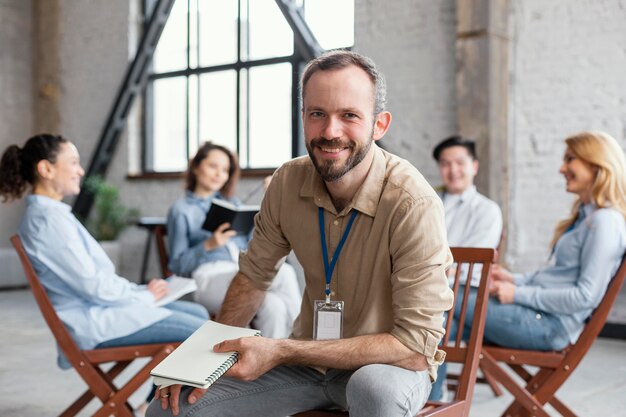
186,237
93,302
584,260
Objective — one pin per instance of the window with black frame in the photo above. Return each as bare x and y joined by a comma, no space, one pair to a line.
227,71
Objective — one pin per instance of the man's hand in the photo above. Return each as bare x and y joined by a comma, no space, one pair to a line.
257,355
170,396
158,288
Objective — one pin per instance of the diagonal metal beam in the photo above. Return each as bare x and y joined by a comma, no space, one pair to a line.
132,86
305,40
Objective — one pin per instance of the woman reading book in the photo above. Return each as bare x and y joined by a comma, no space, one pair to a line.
99,307
211,258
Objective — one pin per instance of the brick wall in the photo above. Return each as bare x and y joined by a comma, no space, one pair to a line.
413,43
16,99
568,74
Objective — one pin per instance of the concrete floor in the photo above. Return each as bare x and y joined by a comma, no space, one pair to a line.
31,385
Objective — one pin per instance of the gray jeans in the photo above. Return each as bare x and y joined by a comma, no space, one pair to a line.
373,390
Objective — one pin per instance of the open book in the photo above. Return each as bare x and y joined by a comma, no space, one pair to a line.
241,218
194,362
177,287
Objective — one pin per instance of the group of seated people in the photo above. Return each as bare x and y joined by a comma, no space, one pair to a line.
542,310
102,309
545,309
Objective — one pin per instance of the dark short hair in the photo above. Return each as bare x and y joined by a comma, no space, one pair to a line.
228,190
456,140
339,59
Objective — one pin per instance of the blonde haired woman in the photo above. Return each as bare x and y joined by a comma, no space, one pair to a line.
547,309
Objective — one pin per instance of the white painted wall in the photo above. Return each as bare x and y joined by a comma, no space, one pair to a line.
413,44
568,74
16,98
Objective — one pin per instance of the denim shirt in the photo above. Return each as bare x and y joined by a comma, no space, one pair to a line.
186,237
94,303
584,260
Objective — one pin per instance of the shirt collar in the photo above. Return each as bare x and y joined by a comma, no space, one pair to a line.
204,202
465,195
47,201
585,210
367,196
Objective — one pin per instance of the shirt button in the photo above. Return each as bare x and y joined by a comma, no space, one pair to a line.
336,222
538,316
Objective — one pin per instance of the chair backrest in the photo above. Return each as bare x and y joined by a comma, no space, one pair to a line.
468,353
160,235
596,321
63,338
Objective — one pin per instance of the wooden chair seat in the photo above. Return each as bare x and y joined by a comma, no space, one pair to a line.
86,362
466,354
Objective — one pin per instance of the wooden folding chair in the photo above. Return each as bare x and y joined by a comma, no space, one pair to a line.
87,362
160,234
553,367
466,354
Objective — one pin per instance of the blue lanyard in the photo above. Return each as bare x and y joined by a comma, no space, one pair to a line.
329,268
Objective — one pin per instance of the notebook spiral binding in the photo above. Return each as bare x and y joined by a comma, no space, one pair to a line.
232,359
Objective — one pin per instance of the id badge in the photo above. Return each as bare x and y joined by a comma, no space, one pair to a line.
327,320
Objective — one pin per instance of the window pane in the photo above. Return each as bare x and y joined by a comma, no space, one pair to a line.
331,21
218,108
218,32
269,115
265,32
170,124
171,51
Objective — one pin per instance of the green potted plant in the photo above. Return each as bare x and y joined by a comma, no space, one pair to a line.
109,217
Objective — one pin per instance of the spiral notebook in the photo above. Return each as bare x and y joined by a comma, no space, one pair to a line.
194,363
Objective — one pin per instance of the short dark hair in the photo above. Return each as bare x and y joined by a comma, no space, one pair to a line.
228,190
455,140
339,59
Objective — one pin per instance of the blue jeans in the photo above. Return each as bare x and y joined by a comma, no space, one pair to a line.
508,325
373,390
185,319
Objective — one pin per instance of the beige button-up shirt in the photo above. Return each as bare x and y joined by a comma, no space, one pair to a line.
390,272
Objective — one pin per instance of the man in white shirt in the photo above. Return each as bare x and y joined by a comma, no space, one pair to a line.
472,220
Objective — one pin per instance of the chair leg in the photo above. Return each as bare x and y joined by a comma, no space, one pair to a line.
519,369
521,395
87,396
533,384
78,405
493,384
120,397
561,408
